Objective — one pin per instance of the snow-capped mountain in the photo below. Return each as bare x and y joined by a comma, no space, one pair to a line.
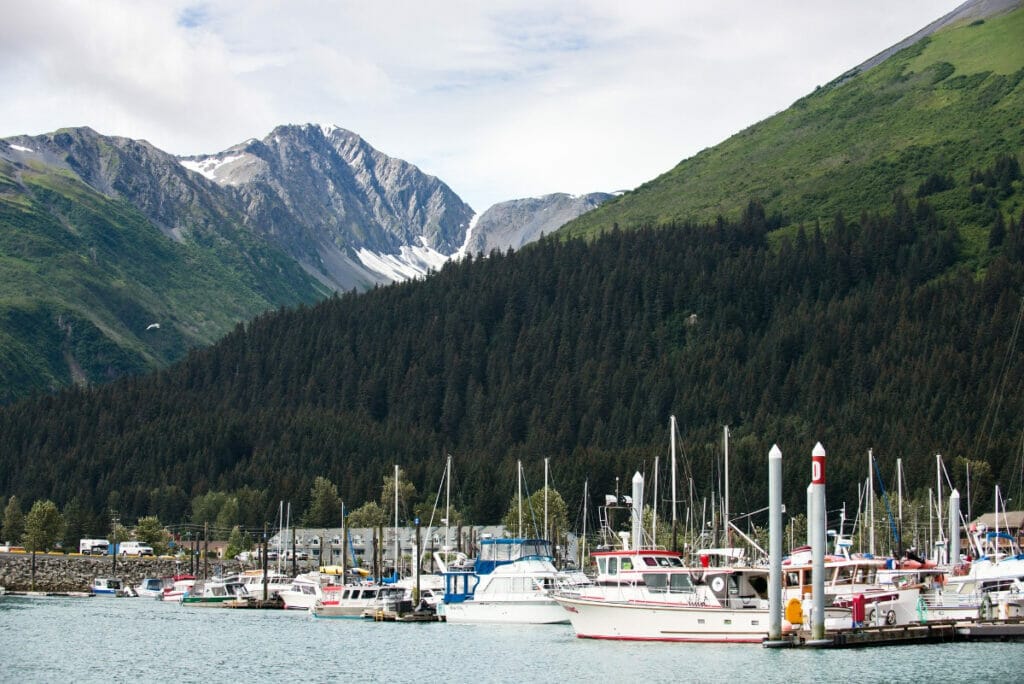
349,214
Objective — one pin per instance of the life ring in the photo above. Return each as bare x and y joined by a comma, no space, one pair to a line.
890,618
717,584
869,616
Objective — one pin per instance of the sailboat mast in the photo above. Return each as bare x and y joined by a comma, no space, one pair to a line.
871,503
519,494
899,494
725,501
672,443
938,502
546,533
583,539
654,511
398,544
447,506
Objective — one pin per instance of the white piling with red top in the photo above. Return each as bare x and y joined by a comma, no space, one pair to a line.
817,523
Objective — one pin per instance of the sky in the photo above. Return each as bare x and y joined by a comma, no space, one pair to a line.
499,99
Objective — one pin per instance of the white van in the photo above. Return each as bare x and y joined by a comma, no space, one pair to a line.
135,548
93,547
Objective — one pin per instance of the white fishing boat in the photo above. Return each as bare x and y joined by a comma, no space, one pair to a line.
848,577
110,586
510,582
990,585
307,588
211,593
254,582
352,601
152,587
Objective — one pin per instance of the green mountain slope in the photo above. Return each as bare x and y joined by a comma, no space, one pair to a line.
578,351
951,103
83,278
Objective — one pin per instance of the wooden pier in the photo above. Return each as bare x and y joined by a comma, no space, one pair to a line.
928,633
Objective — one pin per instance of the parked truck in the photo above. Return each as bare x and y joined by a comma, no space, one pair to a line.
93,547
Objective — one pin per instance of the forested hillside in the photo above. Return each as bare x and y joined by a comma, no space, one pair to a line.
919,122
866,332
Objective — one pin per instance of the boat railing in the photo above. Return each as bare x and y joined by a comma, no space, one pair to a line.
950,600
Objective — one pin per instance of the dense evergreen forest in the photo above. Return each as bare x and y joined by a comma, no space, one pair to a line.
865,333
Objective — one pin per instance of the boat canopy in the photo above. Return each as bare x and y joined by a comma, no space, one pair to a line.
495,552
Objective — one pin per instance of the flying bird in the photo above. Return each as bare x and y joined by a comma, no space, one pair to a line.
151,326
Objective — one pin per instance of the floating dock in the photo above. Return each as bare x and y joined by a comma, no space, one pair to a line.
49,594
927,633
256,604
414,616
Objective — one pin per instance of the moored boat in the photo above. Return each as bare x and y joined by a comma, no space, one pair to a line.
510,582
110,586
353,600
152,587
178,586
209,593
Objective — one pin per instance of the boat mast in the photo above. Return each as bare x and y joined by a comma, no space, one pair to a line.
899,496
546,533
938,505
654,512
398,544
871,503
280,532
725,501
583,539
447,506
519,494
672,442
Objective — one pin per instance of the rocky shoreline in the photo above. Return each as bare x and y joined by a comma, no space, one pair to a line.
76,573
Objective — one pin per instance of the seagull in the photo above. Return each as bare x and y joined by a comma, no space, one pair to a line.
151,326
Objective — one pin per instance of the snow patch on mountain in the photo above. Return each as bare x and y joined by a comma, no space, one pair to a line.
411,262
461,252
21,149
208,166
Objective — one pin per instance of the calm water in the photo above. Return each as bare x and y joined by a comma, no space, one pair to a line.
116,640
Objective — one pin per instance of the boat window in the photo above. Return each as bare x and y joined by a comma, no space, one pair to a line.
657,582
675,562
650,562
680,582
602,565
613,566
627,564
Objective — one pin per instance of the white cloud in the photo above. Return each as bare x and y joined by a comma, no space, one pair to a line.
500,99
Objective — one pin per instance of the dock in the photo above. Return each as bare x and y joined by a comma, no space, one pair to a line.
927,633
384,615
50,594
251,603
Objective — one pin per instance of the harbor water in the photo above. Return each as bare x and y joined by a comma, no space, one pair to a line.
122,640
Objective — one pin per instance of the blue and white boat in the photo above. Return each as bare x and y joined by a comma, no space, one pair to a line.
510,583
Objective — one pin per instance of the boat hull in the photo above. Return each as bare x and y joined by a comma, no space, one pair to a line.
527,612
637,622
